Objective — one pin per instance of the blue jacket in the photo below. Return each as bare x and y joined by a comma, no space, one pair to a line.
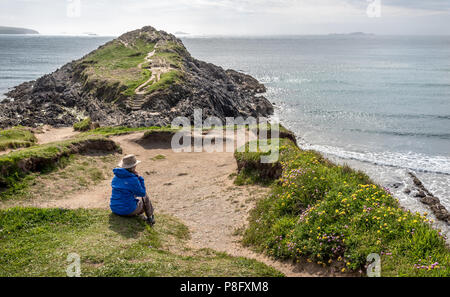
126,186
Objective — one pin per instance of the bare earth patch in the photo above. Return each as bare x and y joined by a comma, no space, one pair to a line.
48,134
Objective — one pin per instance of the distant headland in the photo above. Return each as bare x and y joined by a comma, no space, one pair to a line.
15,30
352,34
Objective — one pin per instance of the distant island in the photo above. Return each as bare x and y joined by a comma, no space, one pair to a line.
14,30
180,33
352,34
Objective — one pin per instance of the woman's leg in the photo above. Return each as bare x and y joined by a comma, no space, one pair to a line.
139,209
148,207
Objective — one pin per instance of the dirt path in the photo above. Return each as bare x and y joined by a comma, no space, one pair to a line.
196,188
156,71
50,134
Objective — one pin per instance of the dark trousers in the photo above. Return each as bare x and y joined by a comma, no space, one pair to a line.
144,205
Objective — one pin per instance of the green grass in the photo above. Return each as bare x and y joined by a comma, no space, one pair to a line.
158,157
132,85
16,137
251,177
160,130
252,171
115,55
117,63
121,130
84,125
254,150
37,242
266,130
172,52
167,79
225,127
14,177
333,215
268,127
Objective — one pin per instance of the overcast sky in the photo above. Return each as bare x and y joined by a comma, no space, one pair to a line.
229,17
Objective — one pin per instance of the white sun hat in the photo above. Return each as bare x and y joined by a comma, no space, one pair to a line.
129,161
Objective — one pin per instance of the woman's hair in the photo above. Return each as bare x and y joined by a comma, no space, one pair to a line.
131,169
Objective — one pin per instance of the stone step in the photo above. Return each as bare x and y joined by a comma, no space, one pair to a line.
135,105
136,102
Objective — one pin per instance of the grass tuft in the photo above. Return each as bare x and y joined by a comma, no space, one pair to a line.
167,79
158,157
84,125
16,137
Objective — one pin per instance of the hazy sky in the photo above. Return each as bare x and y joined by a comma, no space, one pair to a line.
229,17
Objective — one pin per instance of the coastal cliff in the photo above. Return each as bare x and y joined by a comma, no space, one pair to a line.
143,78
14,30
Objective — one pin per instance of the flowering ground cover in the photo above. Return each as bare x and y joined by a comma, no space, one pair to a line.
333,215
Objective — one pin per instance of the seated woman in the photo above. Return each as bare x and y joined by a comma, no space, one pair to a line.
127,185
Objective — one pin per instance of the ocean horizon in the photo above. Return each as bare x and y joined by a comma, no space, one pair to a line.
380,103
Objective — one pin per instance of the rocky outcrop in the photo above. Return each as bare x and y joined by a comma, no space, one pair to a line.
73,92
427,198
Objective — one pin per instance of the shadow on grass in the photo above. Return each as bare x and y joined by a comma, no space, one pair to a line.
128,227
95,153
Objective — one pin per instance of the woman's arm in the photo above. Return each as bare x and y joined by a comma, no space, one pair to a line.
139,187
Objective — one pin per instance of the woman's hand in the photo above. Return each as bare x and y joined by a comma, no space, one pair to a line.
133,170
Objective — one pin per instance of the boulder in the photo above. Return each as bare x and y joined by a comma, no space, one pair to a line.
428,200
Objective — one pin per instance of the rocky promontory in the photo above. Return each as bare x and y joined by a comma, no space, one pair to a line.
143,78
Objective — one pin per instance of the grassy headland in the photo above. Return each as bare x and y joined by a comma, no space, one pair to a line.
333,215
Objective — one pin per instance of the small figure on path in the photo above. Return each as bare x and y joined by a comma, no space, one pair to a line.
127,187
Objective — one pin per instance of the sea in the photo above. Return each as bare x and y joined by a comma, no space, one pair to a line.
380,104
